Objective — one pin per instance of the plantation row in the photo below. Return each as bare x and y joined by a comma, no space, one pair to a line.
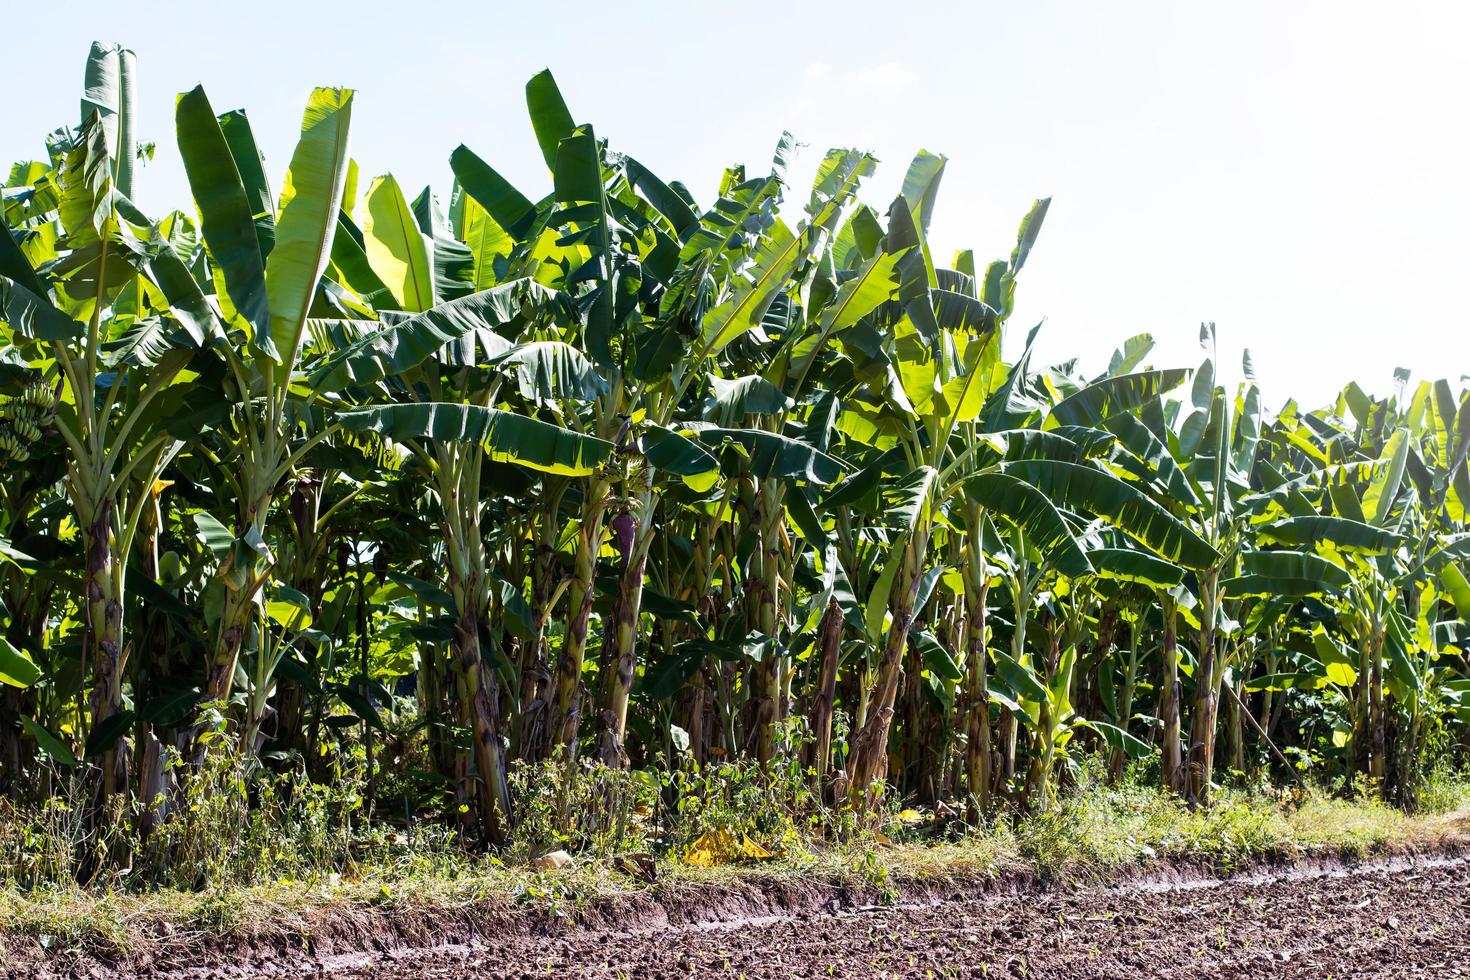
313,466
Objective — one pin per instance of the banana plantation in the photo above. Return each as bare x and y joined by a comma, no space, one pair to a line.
591,473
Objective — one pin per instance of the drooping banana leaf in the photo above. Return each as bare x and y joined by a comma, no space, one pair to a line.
547,370
1130,565
732,398
34,317
1287,573
1091,490
408,343
1342,532
1027,507
777,456
507,207
506,436
1112,396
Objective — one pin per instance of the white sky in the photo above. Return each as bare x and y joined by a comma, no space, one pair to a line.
1296,170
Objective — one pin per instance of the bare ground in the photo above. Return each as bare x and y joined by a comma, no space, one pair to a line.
1403,917
1400,916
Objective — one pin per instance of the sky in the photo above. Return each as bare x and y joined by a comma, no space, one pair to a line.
1297,171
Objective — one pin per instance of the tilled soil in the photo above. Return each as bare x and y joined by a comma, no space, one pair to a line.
1389,920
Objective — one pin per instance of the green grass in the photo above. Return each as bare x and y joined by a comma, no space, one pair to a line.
1110,829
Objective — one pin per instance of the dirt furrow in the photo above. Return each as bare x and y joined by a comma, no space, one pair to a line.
1387,920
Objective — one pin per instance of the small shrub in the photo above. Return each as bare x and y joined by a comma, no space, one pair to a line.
587,807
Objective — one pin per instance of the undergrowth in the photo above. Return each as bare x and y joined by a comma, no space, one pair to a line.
307,847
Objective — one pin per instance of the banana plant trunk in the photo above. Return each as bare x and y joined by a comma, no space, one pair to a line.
479,701
613,718
469,586
241,585
566,714
1117,758
870,748
977,724
771,670
1172,763
11,776
1237,729
308,575
1200,769
154,781
31,603
530,733
829,647
104,631
1377,738
435,701
234,624
1038,791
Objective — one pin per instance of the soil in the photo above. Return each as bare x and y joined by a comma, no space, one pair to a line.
1400,919
1403,917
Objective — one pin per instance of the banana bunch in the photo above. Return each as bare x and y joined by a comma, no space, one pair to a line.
23,420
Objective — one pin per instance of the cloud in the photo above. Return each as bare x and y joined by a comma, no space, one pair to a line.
888,76
818,69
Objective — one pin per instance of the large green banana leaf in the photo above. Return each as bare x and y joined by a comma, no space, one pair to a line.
1111,396
1090,490
14,264
664,199
308,220
547,370
550,117
579,189
1120,739
732,398
16,667
1148,458
909,500
673,453
1288,573
506,436
395,247
777,456
1025,506
32,316
227,219
408,343
109,93
510,210
251,164
352,269
454,262
1130,565
1344,533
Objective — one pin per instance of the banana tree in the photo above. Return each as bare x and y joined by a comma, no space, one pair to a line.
726,320
759,411
1195,474
100,302
266,264
441,373
1048,485
573,241
934,358
1368,509
1438,466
